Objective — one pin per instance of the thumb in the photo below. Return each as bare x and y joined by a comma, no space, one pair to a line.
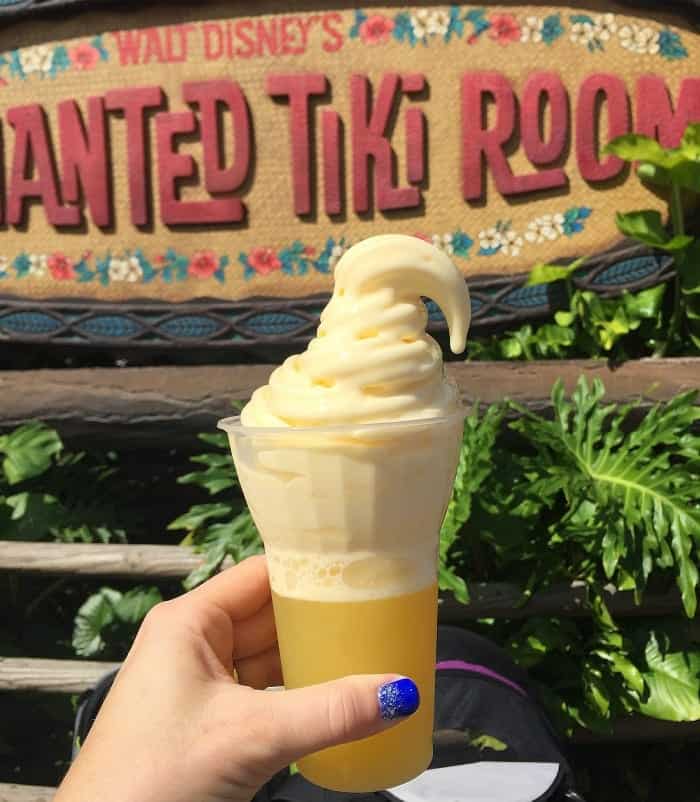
309,719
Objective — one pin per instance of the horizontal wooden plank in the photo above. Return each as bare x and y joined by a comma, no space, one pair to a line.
504,600
98,559
147,404
25,793
51,676
640,729
488,600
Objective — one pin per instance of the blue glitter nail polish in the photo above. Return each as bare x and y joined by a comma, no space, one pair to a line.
398,698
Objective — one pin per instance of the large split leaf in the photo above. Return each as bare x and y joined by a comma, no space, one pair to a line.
642,489
673,679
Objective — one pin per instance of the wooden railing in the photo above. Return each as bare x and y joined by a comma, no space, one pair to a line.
165,406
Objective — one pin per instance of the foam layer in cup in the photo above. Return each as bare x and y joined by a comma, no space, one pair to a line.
349,513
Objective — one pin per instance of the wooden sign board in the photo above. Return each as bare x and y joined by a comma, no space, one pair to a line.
185,176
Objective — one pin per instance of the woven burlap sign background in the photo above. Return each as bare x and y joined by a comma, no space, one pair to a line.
275,251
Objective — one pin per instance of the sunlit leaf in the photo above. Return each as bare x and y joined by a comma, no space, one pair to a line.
29,451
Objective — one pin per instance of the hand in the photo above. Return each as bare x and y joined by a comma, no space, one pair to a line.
177,727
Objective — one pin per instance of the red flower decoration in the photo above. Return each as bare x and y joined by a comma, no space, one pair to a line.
473,39
84,56
504,29
60,266
309,250
376,30
422,236
264,260
203,264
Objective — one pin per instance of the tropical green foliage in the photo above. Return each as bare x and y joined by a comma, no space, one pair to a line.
676,172
221,528
585,496
629,325
48,493
107,621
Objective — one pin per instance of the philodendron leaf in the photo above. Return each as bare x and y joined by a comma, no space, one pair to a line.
673,679
690,144
475,465
639,148
654,175
645,304
647,227
483,741
687,175
33,516
546,274
449,580
93,617
28,451
641,483
135,603
201,514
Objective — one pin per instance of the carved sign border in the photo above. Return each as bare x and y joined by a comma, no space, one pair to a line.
496,302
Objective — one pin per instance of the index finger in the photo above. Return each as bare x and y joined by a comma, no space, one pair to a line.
240,591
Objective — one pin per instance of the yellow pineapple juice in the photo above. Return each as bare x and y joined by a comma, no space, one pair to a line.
364,637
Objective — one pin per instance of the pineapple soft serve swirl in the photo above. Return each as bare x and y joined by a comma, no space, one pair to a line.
352,514
371,359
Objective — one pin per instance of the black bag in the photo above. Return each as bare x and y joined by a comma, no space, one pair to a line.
479,691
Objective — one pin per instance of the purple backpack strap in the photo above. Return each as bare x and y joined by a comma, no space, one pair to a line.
474,668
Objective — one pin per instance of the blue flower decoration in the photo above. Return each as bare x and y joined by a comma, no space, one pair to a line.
572,219
455,25
403,30
461,243
477,17
670,45
489,251
21,265
248,271
360,17
552,28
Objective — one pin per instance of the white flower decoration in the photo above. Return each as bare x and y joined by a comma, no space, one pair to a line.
490,239
639,40
30,59
37,264
443,242
438,22
582,33
545,229
36,59
531,31
133,272
336,253
4,264
429,22
127,269
117,269
511,243
419,22
604,27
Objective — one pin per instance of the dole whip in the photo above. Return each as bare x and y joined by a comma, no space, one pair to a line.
347,459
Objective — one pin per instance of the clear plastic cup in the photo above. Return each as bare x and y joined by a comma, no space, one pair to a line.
350,516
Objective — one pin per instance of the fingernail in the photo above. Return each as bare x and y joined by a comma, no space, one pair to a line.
398,698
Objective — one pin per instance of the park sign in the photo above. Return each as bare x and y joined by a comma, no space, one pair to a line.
182,175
